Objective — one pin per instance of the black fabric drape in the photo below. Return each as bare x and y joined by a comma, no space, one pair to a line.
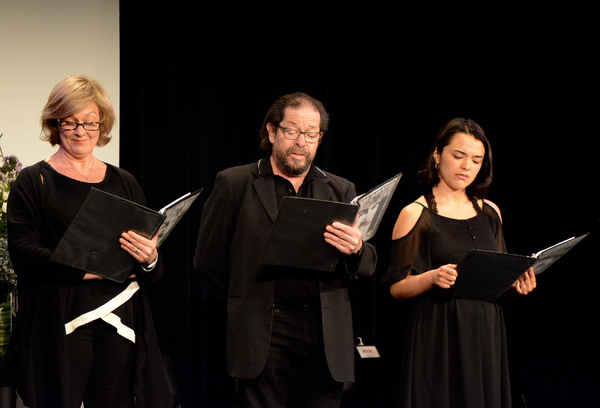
195,87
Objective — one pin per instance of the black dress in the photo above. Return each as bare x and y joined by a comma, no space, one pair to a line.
455,351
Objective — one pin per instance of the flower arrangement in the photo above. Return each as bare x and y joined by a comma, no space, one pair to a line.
11,166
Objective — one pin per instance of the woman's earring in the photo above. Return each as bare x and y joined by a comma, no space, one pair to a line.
437,166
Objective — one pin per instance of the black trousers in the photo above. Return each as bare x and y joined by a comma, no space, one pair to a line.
101,365
296,374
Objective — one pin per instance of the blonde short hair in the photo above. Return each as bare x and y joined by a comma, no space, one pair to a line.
69,97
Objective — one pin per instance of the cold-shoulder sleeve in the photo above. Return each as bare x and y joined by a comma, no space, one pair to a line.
411,252
496,226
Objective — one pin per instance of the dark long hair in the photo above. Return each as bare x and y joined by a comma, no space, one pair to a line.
428,174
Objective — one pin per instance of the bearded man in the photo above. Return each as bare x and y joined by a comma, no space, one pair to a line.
289,330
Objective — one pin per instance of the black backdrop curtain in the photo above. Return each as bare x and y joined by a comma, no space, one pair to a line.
196,84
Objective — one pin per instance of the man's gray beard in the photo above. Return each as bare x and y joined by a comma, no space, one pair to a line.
285,164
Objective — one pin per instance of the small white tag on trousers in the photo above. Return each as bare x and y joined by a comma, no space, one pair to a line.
367,351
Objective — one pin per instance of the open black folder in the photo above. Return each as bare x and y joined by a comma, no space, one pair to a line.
174,212
486,275
297,237
373,204
91,243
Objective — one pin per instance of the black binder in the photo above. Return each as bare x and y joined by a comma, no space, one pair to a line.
91,243
486,275
297,236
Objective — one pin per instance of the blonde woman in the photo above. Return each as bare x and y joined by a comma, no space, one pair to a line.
79,337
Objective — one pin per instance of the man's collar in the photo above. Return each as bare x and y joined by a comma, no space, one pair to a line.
264,166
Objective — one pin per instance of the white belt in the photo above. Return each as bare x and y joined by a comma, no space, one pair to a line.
104,312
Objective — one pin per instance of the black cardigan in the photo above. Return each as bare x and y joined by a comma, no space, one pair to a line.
34,361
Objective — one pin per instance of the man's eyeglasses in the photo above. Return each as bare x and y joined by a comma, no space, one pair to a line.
68,125
292,134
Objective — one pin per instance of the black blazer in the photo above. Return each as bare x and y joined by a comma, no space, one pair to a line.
235,227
